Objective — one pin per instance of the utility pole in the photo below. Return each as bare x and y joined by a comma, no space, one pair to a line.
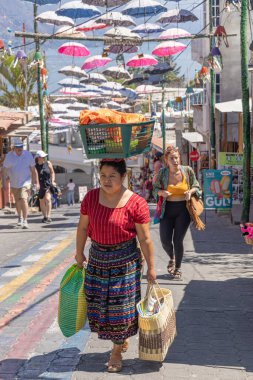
212,97
246,113
43,134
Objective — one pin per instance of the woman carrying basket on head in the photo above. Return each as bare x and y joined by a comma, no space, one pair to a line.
112,216
175,184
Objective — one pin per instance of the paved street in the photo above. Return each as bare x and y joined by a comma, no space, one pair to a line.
214,304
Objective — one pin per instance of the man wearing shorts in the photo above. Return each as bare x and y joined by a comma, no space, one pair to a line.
19,166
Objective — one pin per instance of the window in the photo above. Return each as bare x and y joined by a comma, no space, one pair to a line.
215,13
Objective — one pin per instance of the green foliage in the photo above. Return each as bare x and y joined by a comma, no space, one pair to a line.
14,83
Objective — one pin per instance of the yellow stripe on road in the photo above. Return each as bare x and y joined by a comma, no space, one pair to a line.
8,289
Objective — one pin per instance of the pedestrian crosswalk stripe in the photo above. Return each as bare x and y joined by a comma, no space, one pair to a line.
14,271
32,258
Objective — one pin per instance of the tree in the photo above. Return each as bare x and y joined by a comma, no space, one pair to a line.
14,82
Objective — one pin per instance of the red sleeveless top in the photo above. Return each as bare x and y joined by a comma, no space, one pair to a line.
111,226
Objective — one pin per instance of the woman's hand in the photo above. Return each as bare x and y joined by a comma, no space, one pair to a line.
164,193
188,195
151,275
80,259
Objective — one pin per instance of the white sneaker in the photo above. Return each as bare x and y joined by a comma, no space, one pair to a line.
25,225
20,222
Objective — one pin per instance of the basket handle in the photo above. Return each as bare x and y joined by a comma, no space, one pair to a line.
151,287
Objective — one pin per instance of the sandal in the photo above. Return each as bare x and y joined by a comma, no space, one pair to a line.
177,274
114,364
125,345
171,266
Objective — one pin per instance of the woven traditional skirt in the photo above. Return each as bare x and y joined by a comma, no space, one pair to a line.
112,288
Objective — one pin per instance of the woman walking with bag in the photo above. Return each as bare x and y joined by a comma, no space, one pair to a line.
112,216
175,184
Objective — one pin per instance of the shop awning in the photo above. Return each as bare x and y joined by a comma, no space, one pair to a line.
232,106
193,137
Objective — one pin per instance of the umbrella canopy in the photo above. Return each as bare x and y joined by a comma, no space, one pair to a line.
116,72
51,17
65,100
147,89
116,19
137,79
111,86
168,48
74,49
69,82
112,105
148,28
76,9
67,31
91,88
59,108
72,114
70,91
177,15
91,25
43,2
73,71
77,106
95,61
128,93
121,31
94,78
142,60
141,8
160,68
120,49
174,33
105,3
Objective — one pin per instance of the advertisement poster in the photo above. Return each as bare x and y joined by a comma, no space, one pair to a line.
233,162
82,190
217,189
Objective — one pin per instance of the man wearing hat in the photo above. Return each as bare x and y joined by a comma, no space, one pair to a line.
19,166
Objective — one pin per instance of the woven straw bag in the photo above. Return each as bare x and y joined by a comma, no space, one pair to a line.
72,310
157,332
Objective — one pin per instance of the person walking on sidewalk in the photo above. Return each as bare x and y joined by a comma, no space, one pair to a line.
175,184
46,176
19,166
71,192
112,216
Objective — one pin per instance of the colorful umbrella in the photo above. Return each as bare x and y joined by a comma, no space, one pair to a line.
70,91
51,17
160,68
116,19
67,31
120,49
73,71
141,8
76,9
177,15
142,60
116,72
128,93
147,89
148,28
69,82
106,3
112,105
91,88
122,32
94,78
174,33
91,25
168,48
95,61
74,49
111,86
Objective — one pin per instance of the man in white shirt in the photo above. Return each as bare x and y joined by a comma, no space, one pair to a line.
71,192
19,166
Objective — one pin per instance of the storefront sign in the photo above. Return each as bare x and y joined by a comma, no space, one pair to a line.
194,155
217,189
231,159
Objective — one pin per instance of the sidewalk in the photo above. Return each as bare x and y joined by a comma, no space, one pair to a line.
214,304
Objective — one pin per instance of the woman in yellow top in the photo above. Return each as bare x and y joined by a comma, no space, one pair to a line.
175,184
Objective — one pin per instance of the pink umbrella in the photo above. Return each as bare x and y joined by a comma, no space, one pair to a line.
90,26
74,49
168,48
142,60
95,61
174,33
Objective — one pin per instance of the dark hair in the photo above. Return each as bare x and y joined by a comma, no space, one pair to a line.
71,180
117,164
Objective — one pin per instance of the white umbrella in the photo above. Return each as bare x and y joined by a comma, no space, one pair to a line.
59,108
67,31
121,31
147,89
116,19
72,114
51,17
112,105
69,82
73,71
174,33
105,3
94,78
148,28
65,100
110,86
77,106
116,72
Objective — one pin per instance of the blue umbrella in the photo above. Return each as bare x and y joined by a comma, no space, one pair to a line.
76,9
148,28
43,2
128,93
141,8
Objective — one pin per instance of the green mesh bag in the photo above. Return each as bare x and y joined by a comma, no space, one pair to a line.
72,311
